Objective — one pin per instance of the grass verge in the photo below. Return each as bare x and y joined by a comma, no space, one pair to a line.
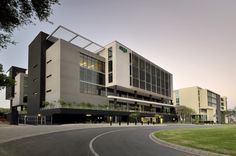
218,139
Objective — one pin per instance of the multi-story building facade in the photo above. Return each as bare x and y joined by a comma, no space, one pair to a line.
17,94
205,103
223,103
72,81
21,93
223,109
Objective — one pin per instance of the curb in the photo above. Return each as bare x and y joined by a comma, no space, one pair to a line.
183,148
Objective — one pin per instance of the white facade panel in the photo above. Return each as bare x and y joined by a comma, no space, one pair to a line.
104,54
121,66
20,89
120,63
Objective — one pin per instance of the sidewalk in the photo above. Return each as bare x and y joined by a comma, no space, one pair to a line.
12,132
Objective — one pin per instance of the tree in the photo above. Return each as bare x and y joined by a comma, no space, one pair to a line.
17,13
135,116
231,115
184,113
4,79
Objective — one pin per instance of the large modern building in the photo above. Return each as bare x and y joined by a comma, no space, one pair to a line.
223,103
207,105
73,79
17,94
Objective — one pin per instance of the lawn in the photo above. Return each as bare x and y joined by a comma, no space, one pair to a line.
218,139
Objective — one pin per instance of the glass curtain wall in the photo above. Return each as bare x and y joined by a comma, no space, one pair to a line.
150,77
92,75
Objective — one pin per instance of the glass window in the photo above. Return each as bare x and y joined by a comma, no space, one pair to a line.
134,60
158,82
153,71
81,60
163,91
109,52
142,84
89,62
110,66
148,68
110,78
25,99
89,76
142,65
83,74
163,82
148,86
130,70
130,58
158,73
100,66
135,82
85,61
103,67
162,75
93,64
135,72
167,93
142,75
177,100
96,65
148,78
154,80
94,77
154,89
94,90
101,79
89,87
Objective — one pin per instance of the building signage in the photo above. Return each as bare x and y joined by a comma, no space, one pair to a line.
123,49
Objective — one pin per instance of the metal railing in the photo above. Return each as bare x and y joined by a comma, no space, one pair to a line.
35,120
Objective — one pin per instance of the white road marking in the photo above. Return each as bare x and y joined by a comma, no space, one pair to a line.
98,136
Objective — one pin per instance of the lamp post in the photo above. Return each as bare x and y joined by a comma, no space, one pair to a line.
39,116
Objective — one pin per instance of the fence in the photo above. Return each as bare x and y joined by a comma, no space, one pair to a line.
35,120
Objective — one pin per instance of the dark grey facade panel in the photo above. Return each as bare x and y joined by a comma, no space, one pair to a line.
218,112
36,72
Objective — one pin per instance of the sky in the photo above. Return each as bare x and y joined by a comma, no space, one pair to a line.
192,39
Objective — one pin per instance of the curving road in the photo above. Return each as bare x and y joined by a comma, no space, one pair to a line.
109,141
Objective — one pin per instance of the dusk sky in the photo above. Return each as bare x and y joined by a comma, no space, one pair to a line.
195,40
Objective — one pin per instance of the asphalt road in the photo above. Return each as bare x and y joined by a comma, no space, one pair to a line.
109,141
